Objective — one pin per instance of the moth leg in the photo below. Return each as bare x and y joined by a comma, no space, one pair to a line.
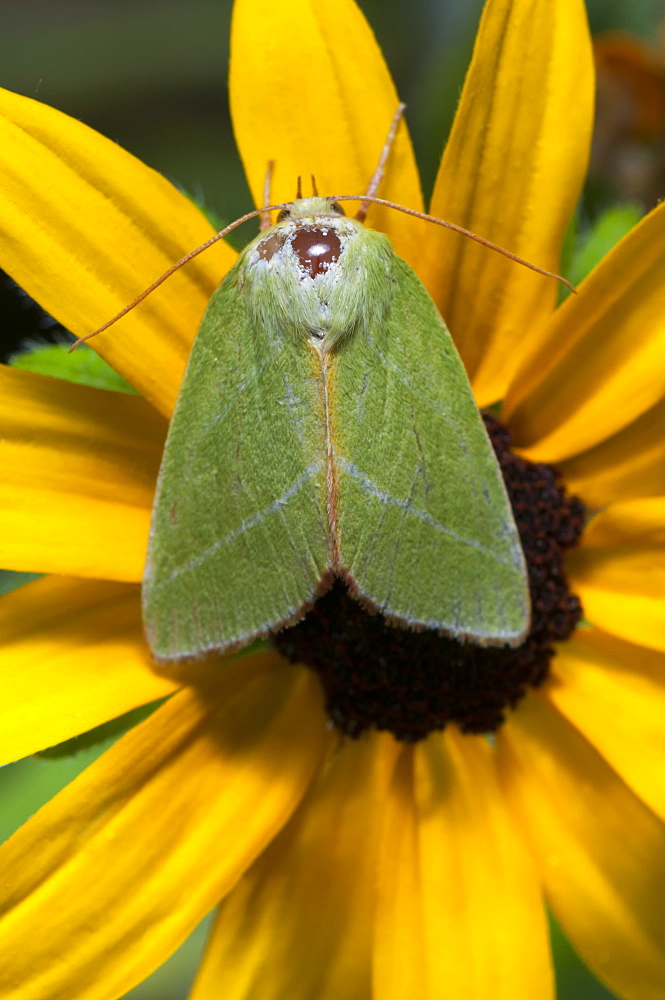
267,184
377,176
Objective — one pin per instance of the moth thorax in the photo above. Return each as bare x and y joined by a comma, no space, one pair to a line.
316,248
308,278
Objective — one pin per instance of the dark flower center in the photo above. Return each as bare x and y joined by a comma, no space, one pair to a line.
411,683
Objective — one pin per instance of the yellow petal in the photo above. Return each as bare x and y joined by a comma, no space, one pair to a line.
601,850
85,227
629,464
614,693
118,868
299,924
79,467
512,172
72,655
460,912
314,95
619,571
599,363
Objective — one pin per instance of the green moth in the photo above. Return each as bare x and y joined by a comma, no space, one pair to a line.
325,428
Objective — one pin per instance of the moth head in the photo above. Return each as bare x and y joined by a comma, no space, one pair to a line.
308,208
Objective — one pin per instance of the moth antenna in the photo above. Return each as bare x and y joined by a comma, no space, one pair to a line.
299,189
267,185
176,267
315,193
287,204
377,176
457,229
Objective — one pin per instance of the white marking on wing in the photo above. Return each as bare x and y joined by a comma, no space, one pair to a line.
407,506
247,524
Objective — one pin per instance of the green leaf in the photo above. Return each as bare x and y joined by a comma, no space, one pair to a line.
568,251
83,365
107,733
615,223
574,980
12,580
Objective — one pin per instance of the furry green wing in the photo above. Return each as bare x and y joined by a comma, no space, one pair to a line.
425,529
239,539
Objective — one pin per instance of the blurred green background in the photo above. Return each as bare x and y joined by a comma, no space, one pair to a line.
152,76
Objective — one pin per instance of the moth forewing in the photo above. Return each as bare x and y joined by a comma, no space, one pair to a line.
325,427
427,535
239,541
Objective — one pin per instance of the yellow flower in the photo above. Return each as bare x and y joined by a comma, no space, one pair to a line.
347,868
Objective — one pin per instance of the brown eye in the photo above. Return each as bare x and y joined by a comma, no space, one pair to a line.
337,208
284,215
